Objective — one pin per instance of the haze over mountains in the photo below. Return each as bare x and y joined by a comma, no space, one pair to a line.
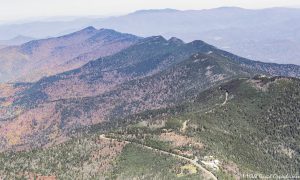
270,35
16,41
266,35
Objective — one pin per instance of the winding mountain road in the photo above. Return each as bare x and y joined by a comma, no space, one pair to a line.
206,174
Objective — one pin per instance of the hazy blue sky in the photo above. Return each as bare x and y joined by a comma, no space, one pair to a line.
20,9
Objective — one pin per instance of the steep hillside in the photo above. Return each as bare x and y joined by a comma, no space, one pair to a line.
242,126
38,58
246,125
145,58
152,74
256,128
92,157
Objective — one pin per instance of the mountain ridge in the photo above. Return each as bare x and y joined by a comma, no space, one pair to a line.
153,73
53,55
115,113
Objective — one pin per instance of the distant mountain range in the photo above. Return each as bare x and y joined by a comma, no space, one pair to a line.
38,58
44,29
18,40
267,35
270,35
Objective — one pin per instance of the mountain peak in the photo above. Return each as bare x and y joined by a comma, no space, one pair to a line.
104,30
110,35
89,28
200,43
154,39
176,40
146,11
229,8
